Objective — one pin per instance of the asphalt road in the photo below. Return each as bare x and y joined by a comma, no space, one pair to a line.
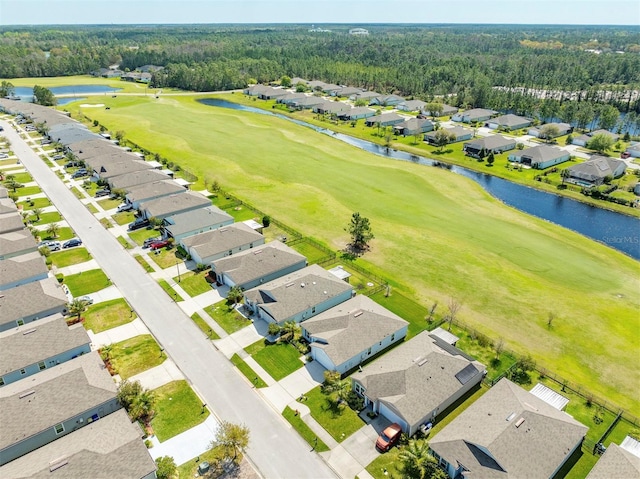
275,448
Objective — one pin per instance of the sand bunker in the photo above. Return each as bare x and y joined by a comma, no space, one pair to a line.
87,105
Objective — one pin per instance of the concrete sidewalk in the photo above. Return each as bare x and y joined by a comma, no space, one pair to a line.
78,268
115,335
159,376
187,445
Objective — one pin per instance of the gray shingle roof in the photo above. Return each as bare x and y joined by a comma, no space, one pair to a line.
67,136
509,121
35,342
512,429
417,376
59,393
309,101
195,219
11,222
352,327
458,131
286,296
414,124
616,462
333,107
478,113
30,299
596,168
356,111
4,193
223,239
109,448
348,90
257,262
38,113
540,153
413,105
7,205
153,190
22,267
491,142
126,164
385,118
173,204
17,242
136,178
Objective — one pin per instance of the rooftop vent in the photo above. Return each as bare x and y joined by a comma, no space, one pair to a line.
58,463
29,332
28,393
511,416
289,285
359,313
519,422
302,285
258,251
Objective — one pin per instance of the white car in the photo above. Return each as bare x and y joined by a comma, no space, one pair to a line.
86,299
125,207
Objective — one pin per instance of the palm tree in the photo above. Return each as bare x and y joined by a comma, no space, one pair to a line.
235,294
417,463
37,212
53,229
77,307
290,331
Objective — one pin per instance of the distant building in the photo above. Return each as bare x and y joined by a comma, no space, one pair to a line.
358,31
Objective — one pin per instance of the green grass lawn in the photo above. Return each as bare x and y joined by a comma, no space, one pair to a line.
23,177
166,258
78,193
108,314
64,233
91,207
28,191
437,234
109,203
189,469
279,359
45,218
242,213
204,327
177,410
340,424
142,234
312,252
37,203
405,308
305,431
140,259
68,257
124,218
87,282
137,354
230,320
169,290
123,241
249,373
193,283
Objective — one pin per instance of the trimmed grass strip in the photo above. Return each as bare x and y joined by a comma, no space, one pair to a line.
249,373
69,256
204,327
305,431
339,423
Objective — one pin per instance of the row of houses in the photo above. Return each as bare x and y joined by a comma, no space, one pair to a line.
58,406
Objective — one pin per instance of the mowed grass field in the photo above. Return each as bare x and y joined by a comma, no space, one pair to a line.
438,235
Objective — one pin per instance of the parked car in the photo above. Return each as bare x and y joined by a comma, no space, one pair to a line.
389,437
149,241
71,164
52,245
71,243
80,173
159,244
139,223
1,128
58,157
45,142
125,207
3,156
102,192
86,299
624,155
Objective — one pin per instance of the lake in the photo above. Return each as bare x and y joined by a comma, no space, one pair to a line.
26,93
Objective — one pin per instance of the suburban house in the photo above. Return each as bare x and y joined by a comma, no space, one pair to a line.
30,302
16,243
256,90
593,172
174,204
331,108
29,349
297,296
447,110
316,85
387,100
386,119
134,178
509,122
11,222
618,461
346,92
308,102
273,93
413,126
416,381
481,147
563,129
633,150
356,113
291,98
22,269
347,335
108,169
195,221
540,157
93,147
260,265
461,134
111,447
411,105
215,244
474,115
365,95
135,195
53,403
508,433
358,31
331,89
582,140
67,133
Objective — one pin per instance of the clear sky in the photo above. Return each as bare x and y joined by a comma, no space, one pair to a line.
320,12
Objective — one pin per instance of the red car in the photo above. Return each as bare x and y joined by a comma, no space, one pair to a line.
389,437
624,155
159,244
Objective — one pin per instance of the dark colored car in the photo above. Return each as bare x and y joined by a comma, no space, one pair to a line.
139,223
71,243
149,241
100,193
159,244
389,437
80,173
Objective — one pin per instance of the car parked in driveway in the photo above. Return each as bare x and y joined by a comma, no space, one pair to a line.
80,173
3,156
148,241
159,244
103,192
389,437
139,223
52,245
71,243
125,207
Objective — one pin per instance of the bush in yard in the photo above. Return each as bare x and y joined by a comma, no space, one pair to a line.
137,401
354,401
274,329
266,221
166,467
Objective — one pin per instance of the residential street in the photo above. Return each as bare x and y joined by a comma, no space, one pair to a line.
275,448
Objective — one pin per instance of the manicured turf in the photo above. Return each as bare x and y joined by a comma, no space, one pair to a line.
109,203
142,234
45,218
87,282
165,258
124,218
230,320
177,410
64,233
339,424
169,290
249,373
193,283
108,314
204,327
140,259
279,359
123,241
438,235
68,257
310,251
214,456
37,203
305,431
405,308
137,354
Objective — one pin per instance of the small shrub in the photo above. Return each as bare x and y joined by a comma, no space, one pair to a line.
354,401
148,443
